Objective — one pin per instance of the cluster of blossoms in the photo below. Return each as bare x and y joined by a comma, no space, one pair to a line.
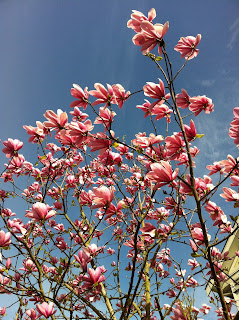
94,200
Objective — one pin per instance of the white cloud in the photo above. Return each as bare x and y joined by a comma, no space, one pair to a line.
234,29
208,82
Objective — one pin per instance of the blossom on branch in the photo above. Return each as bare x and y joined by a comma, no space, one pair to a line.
187,46
150,36
137,17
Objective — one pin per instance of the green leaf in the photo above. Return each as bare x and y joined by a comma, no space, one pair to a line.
159,58
199,135
196,255
115,145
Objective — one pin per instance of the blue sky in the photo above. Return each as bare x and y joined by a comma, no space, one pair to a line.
48,45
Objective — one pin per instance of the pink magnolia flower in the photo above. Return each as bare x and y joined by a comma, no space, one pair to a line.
145,107
78,115
235,181
55,121
93,277
40,211
171,293
156,91
162,173
3,282
32,314
174,145
179,313
80,95
80,130
193,245
46,309
17,226
105,117
110,158
93,250
12,147
28,266
193,263
137,17
187,46
120,95
102,95
234,130
200,103
162,111
183,99
229,164
205,308
149,229
216,213
197,234
151,36
36,133
103,196
83,258
216,167
100,141
5,239
2,311
190,131
230,194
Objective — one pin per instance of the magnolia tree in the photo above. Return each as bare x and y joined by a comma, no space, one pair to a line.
116,230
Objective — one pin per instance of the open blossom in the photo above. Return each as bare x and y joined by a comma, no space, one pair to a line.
4,281
234,129
103,196
80,130
100,141
230,194
145,107
11,147
137,17
162,173
46,309
200,103
150,36
161,111
93,277
120,94
183,99
5,239
40,211
55,121
28,266
32,314
156,91
216,167
197,234
78,115
190,131
36,133
149,229
81,96
83,258
105,117
175,146
102,95
216,213
187,46
193,263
